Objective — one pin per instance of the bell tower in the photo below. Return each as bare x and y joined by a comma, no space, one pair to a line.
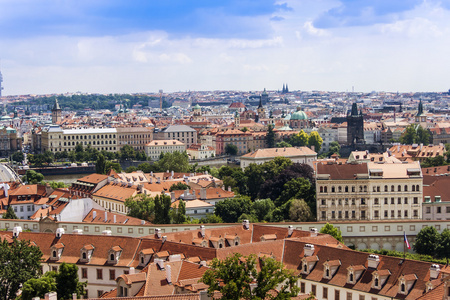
56,113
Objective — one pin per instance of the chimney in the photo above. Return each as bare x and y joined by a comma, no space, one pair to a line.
172,174
164,239
77,231
16,231
202,230
373,261
175,257
308,249
169,274
434,271
115,218
94,215
160,263
131,271
246,224
59,232
202,194
290,230
106,216
106,232
229,188
203,263
51,296
172,196
140,188
142,222
313,232
158,233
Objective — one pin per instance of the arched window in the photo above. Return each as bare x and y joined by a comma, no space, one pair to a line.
417,188
365,188
399,188
325,189
351,277
111,257
327,273
346,189
413,188
376,282
378,189
305,268
385,188
406,188
340,189
392,188
142,260
54,253
402,288
332,189
321,189
84,255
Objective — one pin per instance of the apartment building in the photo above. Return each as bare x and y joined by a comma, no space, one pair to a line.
56,139
369,191
154,149
136,137
234,137
182,133
302,155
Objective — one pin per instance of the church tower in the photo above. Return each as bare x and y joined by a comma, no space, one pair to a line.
260,110
421,117
197,113
56,113
237,120
355,127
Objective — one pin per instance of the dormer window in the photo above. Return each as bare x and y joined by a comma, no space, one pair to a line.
86,253
406,282
145,256
330,268
56,251
354,273
308,264
379,278
351,277
114,254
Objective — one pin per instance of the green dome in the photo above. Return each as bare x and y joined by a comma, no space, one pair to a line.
299,115
197,106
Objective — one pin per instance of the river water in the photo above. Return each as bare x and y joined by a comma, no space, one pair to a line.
67,178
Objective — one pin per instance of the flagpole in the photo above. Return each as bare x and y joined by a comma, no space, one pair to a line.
404,246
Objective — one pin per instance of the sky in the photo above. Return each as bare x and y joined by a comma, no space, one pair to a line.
122,46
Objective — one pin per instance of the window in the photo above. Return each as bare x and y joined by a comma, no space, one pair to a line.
349,296
376,282
402,288
325,293
399,188
350,278
399,200
324,215
386,201
406,201
100,274
392,200
302,288
99,293
385,213
392,214
84,273
112,274
428,210
438,209
313,289
406,188
362,297
415,200
385,188
55,269
111,257
336,294
324,202
363,201
376,214
399,214
392,188
376,201
363,214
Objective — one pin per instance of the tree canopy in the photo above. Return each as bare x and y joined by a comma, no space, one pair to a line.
233,277
415,134
333,231
9,214
427,241
19,262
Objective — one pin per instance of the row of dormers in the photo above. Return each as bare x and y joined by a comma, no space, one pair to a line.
355,272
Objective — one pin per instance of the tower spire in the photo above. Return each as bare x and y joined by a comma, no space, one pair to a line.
1,79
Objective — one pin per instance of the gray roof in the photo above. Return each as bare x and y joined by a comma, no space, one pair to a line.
178,128
90,131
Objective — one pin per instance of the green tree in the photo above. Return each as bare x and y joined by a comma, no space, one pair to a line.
233,276
33,177
67,281
178,186
263,209
112,166
142,207
299,211
38,287
211,218
232,208
333,231
299,188
10,214
19,262
18,156
423,136
57,184
443,246
176,161
316,141
100,165
427,241
179,213
415,135
334,148
231,149
283,144
270,137
299,139
131,169
127,153
162,209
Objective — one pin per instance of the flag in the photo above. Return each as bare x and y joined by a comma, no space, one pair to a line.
406,240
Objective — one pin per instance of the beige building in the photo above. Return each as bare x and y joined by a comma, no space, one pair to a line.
369,191
56,139
154,149
200,151
136,137
302,155
182,133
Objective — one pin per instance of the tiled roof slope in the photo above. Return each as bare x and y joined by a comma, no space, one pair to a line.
342,172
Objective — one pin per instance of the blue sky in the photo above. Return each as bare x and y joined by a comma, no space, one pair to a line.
116,46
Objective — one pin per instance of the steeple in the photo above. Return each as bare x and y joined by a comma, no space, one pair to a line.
420,112
56,113
354,109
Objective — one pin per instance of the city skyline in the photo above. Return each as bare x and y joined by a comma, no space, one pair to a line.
121,47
